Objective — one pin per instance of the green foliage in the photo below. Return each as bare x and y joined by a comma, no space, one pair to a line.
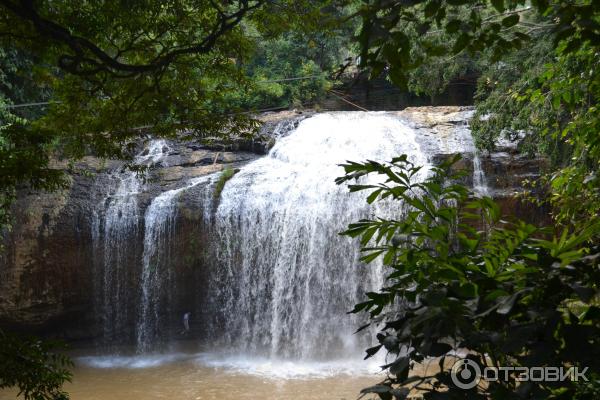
588,390
285,73
517,295
168,67
401,36
553,102
24,157
538,85
296,67
499,88
187,69
21,82
34,367
23,153
226,175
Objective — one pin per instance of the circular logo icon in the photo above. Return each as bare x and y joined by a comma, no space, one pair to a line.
465,374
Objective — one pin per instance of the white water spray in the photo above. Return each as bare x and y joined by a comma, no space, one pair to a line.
115,226
480,185
285,278
156,293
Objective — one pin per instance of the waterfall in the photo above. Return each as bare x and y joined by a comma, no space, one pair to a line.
275,279
480,185
157,277
115,227
284,279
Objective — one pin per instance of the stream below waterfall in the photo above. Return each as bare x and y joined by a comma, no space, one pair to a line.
187,381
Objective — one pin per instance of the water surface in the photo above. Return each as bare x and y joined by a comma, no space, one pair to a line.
186,375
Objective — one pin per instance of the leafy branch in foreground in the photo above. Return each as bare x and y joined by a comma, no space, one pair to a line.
515,295
34,367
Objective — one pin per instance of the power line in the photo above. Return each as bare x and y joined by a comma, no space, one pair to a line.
333,92
41,103
297,78
373,94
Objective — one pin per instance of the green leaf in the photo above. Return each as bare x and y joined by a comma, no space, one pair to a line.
400,393
367,235
586,294
370,257
431,8
398,76
461,42
360,307
511,20
467,290
453,25
399,365
372,351
373,196
498,5
378,389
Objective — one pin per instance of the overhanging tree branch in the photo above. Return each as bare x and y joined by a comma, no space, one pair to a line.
88,58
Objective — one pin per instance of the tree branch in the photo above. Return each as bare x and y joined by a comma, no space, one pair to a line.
81,63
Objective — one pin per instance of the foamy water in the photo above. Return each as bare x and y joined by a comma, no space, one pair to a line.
267,368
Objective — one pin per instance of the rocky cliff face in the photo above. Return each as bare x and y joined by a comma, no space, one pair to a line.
49,271
444,129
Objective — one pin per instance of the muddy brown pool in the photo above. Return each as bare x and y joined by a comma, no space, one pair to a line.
206,376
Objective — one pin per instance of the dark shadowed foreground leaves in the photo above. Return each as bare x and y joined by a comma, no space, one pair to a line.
512,295
33,367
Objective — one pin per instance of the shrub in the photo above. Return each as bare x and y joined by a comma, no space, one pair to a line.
516,295
34,367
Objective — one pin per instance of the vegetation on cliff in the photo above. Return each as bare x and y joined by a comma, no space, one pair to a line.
226,175
536,70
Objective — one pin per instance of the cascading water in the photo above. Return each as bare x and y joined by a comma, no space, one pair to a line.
156,281
115,226
480,185
463,143
281,279
285,279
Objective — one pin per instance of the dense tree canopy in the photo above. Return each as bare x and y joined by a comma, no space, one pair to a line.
538,79
112,71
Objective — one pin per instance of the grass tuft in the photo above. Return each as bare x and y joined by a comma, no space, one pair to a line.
226,175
